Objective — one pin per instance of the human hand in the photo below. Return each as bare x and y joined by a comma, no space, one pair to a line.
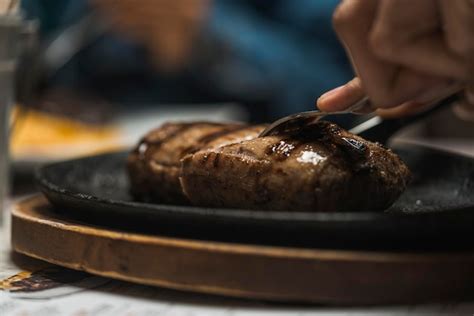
404,52
167,28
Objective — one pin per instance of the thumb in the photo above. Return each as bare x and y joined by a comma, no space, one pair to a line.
341,97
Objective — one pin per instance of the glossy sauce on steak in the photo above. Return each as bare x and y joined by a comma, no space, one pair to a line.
319,167
315,168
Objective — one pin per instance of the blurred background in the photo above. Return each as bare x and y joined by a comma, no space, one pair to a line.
273,57
111,70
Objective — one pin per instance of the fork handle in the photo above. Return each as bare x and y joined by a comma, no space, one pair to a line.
364,105
386,128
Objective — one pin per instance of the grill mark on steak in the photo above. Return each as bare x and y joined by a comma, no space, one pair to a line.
215,160
295,139
353,153
146,145
207,138
228,130
337,149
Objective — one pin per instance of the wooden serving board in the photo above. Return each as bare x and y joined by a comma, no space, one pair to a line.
247,271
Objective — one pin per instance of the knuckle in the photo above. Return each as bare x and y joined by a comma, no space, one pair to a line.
386,40
382,44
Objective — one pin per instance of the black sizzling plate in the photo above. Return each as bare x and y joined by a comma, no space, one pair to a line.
435,213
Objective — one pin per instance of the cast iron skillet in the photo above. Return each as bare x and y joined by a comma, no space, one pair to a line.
435,213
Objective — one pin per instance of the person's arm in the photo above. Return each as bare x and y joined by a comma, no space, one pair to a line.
404,51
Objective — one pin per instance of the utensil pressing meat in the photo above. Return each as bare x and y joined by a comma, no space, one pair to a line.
316,167
443,97
292,121
312,168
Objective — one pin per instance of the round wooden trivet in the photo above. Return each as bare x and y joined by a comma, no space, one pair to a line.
247,271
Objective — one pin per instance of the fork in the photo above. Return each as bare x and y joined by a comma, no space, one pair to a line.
363,106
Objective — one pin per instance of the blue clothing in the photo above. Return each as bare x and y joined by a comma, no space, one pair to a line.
281,53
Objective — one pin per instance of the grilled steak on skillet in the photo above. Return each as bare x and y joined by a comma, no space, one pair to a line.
319,167
154,165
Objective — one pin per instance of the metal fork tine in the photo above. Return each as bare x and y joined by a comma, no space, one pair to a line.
360,107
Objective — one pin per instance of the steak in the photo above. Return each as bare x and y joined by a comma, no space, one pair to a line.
154,165
315,168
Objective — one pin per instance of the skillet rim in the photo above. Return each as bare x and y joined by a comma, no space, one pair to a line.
48,188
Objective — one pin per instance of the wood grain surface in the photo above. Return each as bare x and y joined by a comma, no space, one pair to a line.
247,271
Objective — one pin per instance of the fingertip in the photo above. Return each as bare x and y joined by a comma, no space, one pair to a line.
329,100
341,98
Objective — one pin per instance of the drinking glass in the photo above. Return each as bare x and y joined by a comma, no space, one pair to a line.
10,27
